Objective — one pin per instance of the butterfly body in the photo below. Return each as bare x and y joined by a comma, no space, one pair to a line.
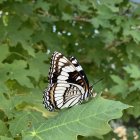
68,84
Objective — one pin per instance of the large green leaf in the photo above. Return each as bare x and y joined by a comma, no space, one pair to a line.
87,119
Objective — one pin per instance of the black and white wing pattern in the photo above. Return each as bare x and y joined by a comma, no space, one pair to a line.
68,84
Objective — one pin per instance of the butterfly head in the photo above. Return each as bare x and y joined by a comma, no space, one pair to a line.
92,94
91,90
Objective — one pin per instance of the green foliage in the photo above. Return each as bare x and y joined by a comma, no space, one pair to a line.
102,35
87,119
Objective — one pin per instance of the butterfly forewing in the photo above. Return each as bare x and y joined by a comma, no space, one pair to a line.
79,69
68,84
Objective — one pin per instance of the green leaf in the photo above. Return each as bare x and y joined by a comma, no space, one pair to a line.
67,17
6,105
5,52
134,33
3,87
121,87
5,20
37,65
41,4
24,120
130,29
3,79
89,119
132,50
135,110
27,99
3,128
5,138
136,85
133,70
133,100
111,4
17,71
28,48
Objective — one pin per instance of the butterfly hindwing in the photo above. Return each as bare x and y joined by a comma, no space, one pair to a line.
62,95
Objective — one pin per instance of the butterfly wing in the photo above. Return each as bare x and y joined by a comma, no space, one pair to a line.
68,84
61,95
66,70
79,69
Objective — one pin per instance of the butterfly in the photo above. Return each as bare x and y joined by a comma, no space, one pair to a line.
68,84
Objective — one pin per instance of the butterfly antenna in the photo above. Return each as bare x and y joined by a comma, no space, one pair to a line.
98,81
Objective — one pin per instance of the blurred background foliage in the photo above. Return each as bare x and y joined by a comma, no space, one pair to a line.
104,35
